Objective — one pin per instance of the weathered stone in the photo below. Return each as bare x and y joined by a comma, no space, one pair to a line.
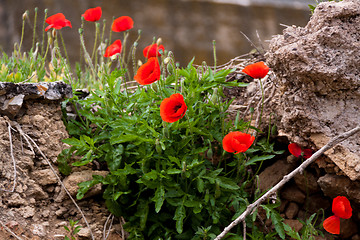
273,174
71,183
307,182
292,210
44,177
348,228
293,194
317,94
84,233
14,94
333,185
27,211
315,202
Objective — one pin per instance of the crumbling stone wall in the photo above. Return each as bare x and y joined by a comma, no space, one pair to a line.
38,208
317,71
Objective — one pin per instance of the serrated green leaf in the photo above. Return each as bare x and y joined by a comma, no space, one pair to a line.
277,221
179,216
159,198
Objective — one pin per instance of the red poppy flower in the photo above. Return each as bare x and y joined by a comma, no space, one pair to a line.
57,21
113,49
149,72
341,207
256,70
332,224
237,142
92,14
173,108
296,150
122,24
153,50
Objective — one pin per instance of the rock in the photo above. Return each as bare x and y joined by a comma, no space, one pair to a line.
38,230
348,228
291,210
273,174
44,176
307,182
14,94
316,202
71,183
27,211
84,233
293,194
333,186
317,93
12,106
35,191
15,200
296,225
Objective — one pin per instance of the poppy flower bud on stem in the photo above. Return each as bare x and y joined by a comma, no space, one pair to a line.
214,96
158,146
25,15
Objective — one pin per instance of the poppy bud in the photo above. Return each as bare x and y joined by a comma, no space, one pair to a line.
252,110
214,96
139,63
166,132
158,146
53,33
274,131
183,166
170,68
25,15
207,195
167,60
209,153
159,41
217,190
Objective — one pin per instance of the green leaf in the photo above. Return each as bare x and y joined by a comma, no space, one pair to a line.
73,142
179,216
277,221
227,183
159,198
291,232
200,185
255,159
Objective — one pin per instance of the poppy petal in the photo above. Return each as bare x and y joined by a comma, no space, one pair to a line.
113,49
256,70
153,50
92,14
149,72
294,149
173,108
122,24
237,142
307,153
341,207
332,224
57,21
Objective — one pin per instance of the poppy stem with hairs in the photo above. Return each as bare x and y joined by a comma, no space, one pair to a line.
97,30
250,208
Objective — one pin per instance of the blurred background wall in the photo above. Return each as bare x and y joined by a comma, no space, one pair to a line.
187,27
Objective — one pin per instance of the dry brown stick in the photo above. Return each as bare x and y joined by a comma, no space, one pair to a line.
9,230
334,141
105,236
27,138
13,160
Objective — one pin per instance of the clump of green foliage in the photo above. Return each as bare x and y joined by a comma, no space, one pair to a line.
168,180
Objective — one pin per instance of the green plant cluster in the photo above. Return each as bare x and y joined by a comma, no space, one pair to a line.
168,180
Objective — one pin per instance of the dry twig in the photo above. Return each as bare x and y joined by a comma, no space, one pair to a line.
13,160
286,178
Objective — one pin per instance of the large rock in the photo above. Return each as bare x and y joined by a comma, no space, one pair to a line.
318,81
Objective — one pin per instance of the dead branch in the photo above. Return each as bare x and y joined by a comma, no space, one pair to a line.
13,160
334,141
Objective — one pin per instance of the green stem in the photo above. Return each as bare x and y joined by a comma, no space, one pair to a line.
63,44
86,54
262,101
214,50
43,32
97,30
34,31
22,32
